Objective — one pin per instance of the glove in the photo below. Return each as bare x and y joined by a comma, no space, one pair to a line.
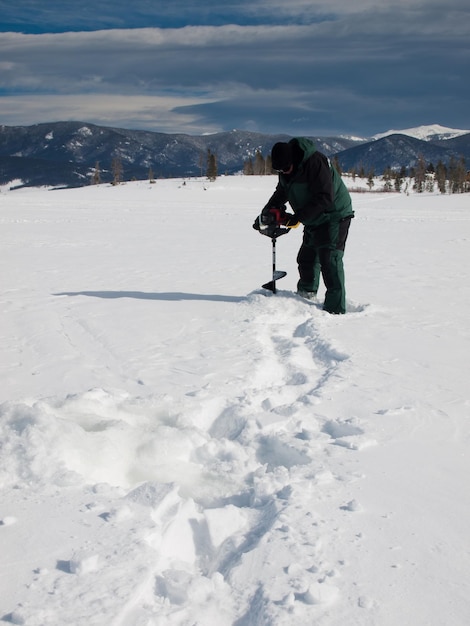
290,221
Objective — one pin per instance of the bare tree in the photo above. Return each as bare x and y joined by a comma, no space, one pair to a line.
248,167
96,178
117,170
259,167
337,165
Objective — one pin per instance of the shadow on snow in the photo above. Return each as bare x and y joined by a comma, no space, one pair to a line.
141,295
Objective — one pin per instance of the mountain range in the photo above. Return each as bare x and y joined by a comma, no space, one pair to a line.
66,153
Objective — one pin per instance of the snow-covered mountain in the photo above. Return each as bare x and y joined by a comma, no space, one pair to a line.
66,153
431,132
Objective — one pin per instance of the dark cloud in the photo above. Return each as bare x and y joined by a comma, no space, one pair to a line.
34,16
358,70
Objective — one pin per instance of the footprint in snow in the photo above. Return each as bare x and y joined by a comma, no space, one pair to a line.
348,435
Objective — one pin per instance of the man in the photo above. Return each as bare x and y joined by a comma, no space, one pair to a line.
321,202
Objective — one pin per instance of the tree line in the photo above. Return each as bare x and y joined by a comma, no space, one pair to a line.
117,170
451,178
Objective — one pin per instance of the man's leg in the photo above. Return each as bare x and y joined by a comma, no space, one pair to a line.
331,242
333,275
308,264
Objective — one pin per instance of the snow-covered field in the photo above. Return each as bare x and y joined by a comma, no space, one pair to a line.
179,448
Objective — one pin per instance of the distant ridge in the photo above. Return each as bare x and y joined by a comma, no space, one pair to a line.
65,153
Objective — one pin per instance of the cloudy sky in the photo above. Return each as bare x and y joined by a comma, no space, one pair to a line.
314,67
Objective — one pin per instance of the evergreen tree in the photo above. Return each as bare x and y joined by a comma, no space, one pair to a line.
429,186
211,166
398,181
420,174
387,178
441,176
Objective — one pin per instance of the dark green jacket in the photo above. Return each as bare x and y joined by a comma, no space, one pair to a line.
314,190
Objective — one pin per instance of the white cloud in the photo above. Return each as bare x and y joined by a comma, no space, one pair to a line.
145,112
228,34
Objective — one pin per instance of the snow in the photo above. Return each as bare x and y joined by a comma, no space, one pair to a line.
179,447
426,132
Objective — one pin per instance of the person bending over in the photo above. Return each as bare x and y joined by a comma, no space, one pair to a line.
321,202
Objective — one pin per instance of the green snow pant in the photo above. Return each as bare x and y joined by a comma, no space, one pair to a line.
322,251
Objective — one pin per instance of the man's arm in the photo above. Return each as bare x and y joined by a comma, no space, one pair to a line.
278,199
320,184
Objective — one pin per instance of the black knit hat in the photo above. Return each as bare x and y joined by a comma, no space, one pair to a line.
281,156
